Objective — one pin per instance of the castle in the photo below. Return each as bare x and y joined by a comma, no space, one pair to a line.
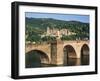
58,33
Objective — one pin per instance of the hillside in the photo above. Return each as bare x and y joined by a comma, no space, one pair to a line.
37,26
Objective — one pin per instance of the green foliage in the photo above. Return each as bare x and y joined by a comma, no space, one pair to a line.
48,38
34,38
70,37
35,27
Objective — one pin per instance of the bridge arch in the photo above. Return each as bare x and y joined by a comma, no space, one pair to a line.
35,58
84,56
85,49
69,55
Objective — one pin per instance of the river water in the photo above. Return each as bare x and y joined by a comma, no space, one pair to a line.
69,62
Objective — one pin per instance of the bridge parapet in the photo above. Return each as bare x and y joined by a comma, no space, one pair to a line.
77,41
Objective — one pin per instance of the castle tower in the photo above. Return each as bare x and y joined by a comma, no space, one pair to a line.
48,31
58,35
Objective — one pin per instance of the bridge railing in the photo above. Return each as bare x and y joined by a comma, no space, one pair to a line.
31,44
49,42
78,41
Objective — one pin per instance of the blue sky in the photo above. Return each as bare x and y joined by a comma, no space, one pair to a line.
66,17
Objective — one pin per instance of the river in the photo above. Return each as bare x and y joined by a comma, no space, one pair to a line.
69,62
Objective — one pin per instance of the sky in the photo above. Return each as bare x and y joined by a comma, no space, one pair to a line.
66,17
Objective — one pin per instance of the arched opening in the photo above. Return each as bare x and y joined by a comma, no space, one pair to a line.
36,58
85,55
69,56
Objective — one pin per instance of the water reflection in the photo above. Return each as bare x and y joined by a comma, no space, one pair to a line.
85,60
72,62
69,62
77,61
35,58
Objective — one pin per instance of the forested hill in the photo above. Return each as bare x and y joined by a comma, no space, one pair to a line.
43,23
39,25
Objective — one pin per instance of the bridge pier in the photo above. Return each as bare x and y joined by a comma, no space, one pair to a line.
77,48
78,53
60,53
57,52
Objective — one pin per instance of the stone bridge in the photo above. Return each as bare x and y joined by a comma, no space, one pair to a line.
54,52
